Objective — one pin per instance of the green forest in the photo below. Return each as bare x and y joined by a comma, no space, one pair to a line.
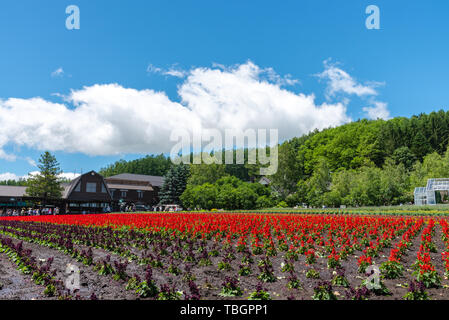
20,182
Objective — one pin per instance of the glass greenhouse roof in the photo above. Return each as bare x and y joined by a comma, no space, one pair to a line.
426,195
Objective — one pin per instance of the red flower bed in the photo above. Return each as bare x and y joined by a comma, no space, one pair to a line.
345,228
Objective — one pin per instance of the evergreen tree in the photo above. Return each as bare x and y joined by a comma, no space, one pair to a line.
150,165
289,170
46,184
405,156
174,184
421,145
319,183
206,173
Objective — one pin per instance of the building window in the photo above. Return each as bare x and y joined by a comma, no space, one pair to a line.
123,193
112,192
91,187
78,187
103,188
139,194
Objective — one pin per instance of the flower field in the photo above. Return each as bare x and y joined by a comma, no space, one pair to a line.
225,256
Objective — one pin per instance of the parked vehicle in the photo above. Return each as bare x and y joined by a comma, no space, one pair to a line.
172,207
141,207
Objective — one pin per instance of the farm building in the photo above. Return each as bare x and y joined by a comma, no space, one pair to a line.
13,197
87,193
138,189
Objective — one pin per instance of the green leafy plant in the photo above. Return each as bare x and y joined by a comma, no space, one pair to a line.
416,291
167,293
323,291
312,274
230,288
391,269
245,270
340,279
147,288
103,267
293,281
266,271
259,294
224,265
378,289
287,266
50,290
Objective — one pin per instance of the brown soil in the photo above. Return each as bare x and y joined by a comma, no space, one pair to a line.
90,281
209,279
16,286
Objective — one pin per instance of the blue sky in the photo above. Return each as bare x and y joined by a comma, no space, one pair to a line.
134,44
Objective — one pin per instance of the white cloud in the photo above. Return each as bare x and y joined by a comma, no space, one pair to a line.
108,119
13,176
238,98
173,71
58,72
262,74
378,111
4,155
283,81
65,175
31,162
8,176
339,81
69,175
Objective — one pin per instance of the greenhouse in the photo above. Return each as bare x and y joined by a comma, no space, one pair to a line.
436,191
